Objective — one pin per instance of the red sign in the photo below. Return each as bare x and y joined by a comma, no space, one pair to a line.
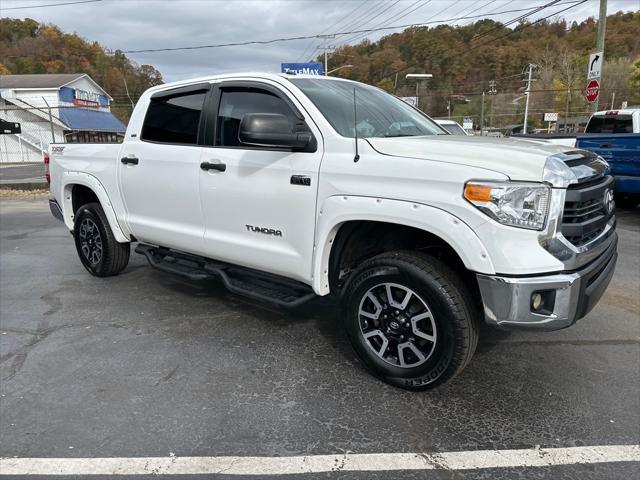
85,103
593,90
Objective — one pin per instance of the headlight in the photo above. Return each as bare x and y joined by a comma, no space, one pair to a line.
523,205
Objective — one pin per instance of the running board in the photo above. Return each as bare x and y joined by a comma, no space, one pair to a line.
261,286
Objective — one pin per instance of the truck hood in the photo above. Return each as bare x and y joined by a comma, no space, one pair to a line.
518,159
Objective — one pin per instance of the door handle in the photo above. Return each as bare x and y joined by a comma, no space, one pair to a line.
129,160
221,167
605,145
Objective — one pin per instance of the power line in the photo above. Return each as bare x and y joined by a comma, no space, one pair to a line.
382,12
335,24
375,13
50,5
511,32
308,37
522,27
517,19
394,18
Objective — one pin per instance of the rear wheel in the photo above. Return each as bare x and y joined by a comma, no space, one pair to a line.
410,319
97,248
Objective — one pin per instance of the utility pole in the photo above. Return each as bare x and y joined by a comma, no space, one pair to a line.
482,115
449,107
566,108
492,92
602,25
325,46
613,99
527,92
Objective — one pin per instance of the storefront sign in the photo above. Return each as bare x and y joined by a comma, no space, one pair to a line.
85,99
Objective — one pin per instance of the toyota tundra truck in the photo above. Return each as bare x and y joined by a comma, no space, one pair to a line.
286,188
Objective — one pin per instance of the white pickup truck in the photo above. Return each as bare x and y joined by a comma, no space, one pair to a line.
291,187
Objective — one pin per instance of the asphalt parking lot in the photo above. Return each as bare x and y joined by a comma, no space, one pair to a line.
148,365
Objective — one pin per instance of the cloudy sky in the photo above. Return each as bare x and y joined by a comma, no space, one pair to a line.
152,24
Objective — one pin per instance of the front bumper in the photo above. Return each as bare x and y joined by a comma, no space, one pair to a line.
568,296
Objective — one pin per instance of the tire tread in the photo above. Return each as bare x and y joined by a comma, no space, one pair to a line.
457,296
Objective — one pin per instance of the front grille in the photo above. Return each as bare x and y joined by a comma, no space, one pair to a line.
585,212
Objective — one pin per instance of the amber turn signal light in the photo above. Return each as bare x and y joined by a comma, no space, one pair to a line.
477,193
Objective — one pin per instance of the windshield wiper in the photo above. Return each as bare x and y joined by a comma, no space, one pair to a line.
391,135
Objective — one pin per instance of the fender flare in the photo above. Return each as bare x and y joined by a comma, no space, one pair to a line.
69,179
338,210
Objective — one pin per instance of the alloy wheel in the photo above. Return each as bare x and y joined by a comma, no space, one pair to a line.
90,241
397,325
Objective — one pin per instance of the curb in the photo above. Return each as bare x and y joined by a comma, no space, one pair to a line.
24,186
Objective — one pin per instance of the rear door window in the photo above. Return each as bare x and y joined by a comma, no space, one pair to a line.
174,119
610,124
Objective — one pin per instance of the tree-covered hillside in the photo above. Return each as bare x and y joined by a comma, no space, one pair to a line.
27,46
464,59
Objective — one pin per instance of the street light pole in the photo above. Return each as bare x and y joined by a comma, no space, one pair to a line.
482,115
338,68
418,77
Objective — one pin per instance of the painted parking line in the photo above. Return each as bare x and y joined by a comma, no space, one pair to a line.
465,460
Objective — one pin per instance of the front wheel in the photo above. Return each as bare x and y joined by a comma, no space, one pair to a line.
410,319
97,248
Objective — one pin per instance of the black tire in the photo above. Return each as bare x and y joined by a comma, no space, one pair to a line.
451,319
97,248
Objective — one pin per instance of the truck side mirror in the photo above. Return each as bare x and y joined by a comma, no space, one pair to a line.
271,130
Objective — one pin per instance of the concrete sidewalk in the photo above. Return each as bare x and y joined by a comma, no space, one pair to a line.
22,176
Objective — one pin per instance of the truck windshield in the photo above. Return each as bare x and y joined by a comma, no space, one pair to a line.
610,124
379,114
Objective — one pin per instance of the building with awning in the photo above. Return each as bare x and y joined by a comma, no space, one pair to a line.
54,108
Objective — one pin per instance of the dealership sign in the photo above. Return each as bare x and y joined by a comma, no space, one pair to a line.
593,90
551,117
302,68
85,99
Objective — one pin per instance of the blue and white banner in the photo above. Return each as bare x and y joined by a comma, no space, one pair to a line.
302,68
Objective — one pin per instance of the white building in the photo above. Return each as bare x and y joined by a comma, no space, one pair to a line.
54,108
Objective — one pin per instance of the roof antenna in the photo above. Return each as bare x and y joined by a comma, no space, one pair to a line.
355,125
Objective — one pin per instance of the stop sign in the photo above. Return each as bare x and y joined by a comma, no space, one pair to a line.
593,89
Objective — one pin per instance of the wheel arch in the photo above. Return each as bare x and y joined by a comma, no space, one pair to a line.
347,235
81,188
